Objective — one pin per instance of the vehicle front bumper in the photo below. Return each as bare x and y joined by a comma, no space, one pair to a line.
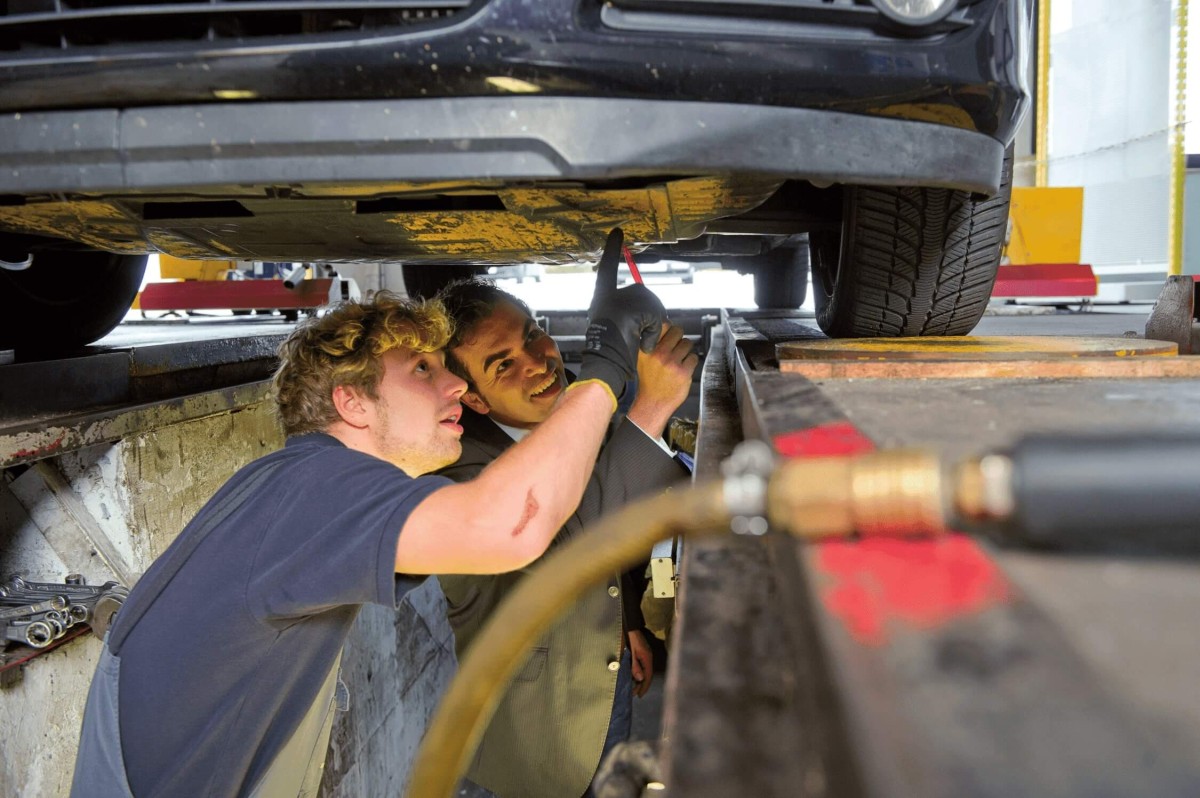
201,148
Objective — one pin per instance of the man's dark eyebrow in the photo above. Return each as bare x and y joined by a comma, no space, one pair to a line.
492,358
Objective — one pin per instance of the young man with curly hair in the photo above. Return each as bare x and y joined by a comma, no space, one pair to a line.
219,673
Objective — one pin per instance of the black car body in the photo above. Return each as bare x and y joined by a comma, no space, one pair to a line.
501,131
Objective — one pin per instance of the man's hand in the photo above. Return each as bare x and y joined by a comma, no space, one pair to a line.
643,663
664,380
620,323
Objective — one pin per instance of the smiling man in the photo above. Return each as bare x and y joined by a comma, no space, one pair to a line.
218,675
572,700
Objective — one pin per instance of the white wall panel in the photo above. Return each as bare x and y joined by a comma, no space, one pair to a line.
1109,96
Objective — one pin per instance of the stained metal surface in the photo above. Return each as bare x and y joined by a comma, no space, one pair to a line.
743,667
29,442
146,378
30,389
1014,347
469,221
955,668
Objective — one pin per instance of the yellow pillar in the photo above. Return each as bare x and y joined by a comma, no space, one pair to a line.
1178,163
1042,137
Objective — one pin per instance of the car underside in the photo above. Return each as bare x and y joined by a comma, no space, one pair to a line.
498,133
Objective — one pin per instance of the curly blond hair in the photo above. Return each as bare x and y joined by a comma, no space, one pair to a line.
344,347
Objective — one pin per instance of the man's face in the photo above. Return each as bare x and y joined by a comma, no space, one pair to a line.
416,415
516,369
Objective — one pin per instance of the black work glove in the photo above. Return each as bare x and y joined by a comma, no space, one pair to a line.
620,321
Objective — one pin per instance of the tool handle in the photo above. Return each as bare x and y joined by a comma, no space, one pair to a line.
633,269
1129,491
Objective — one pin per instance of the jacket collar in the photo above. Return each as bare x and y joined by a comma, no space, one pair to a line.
484,430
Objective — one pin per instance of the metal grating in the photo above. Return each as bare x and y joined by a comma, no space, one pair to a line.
32,25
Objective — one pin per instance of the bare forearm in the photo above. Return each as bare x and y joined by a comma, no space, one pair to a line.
651,417
507,516
553,463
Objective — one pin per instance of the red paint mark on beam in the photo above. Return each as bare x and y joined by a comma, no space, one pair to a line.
49,448
828,440
869,583
923,583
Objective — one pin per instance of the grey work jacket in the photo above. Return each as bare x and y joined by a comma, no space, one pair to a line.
547,734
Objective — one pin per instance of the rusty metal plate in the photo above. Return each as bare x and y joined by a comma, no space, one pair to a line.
550,222
863,667
940,348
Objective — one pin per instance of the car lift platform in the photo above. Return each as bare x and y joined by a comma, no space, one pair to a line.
946,667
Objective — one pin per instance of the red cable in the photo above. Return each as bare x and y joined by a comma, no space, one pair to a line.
633,269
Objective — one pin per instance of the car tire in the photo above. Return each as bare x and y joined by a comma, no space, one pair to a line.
781,277
66,299
909,261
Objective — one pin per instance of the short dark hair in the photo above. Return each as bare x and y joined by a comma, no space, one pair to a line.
467,302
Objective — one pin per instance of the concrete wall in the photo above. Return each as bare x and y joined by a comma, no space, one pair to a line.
141,492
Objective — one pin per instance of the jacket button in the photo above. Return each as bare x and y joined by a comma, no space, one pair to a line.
613,591
614,666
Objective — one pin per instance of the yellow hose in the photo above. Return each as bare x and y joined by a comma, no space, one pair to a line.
893,493
560,579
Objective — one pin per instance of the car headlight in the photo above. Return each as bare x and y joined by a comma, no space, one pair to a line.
915,13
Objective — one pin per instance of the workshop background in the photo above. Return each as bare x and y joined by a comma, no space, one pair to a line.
1115,101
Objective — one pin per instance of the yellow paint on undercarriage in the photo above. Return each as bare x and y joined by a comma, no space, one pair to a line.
549,222
97,223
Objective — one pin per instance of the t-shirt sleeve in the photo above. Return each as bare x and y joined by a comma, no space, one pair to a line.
333,540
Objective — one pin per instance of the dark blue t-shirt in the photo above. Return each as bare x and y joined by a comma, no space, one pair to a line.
221,667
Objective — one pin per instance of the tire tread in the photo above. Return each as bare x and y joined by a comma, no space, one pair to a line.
918,261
